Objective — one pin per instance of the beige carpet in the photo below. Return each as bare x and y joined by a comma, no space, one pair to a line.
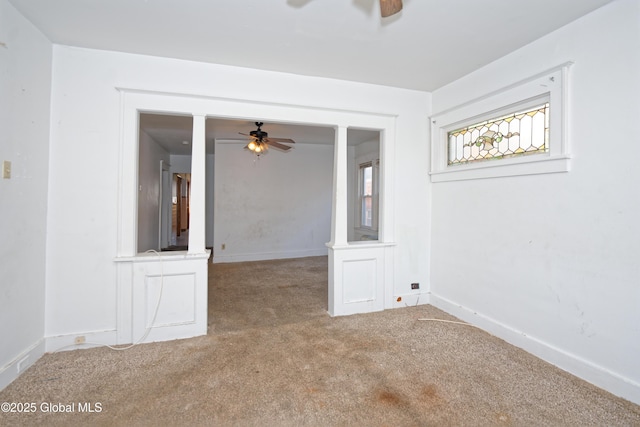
273,357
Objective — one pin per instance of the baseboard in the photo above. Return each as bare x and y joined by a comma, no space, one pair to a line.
17,366
264,256
410,300
584,369
80,340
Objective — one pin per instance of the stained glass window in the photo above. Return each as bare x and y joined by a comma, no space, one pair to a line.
516,134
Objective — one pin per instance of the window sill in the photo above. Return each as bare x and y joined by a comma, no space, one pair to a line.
500,168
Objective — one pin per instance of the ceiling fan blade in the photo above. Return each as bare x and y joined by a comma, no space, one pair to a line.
290,141
390,7
277,145
245,134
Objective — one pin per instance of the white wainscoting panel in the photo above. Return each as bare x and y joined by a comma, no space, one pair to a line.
162,297
360,278
170,299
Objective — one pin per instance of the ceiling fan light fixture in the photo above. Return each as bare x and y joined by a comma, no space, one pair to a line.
260,141
390,7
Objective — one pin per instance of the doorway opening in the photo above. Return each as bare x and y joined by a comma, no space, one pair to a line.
180,195
164,183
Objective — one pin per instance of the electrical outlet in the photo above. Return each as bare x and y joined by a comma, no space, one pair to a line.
80,339
415,286
21,365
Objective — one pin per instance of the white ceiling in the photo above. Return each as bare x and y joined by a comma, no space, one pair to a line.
427,45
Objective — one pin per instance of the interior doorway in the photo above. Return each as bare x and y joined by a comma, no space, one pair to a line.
181,192
164,169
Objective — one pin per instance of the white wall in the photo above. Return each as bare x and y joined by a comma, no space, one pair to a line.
149,188
25,86
550,262
85,134
180,164
277,206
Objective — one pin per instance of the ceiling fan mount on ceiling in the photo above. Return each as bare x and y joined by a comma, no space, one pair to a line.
258,133
260,141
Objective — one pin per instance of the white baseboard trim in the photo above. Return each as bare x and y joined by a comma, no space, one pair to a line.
584,369
89,339
410,300
263,256
17,366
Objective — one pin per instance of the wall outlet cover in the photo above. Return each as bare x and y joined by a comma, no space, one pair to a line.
6,169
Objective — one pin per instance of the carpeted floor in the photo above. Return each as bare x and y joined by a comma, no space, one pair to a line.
273,357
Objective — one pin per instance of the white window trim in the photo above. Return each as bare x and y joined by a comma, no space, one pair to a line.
551,86
375,176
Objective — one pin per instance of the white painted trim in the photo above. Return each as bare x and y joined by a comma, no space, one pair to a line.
411,300
238,102
520,166
163,256
197,214
340,205
584,369
92,339
386,189
360,244
20,363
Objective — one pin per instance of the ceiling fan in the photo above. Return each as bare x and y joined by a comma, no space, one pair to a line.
260,141
390,7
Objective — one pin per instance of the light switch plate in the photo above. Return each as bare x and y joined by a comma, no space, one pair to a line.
6,169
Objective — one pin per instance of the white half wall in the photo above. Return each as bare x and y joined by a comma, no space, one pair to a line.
550,262
275,206
25,91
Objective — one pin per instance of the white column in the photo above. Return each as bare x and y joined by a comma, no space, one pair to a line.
197,196
339,213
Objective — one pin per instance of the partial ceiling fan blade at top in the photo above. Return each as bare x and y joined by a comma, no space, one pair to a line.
272,143
390,7
290,141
